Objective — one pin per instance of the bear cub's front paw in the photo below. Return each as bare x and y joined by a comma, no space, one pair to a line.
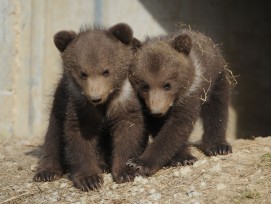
86,183
183,161
140,167
219,148
127,175
49,172
46,175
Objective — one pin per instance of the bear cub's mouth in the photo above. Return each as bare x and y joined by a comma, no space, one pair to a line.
96,101
157,115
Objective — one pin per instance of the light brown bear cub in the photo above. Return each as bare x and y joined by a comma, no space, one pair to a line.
179,78
95,113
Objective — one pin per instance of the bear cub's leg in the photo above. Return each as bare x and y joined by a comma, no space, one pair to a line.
128,142
50,167
214,114
82,150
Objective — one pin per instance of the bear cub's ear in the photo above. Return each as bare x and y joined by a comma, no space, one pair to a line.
63,38
123,32
182,43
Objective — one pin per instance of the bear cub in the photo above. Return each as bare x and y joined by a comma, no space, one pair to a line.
179,78
95,112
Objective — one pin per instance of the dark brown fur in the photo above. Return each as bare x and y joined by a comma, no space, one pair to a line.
179,78
96,121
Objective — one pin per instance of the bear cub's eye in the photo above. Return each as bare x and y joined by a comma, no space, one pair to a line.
145,87
83,75
105,73
167,86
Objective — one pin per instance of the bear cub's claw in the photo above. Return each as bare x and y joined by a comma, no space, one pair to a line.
139,167
124,177
87,183
188,160
105,168
216,149
43,176
132,164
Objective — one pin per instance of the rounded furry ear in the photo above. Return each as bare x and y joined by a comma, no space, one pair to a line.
63,38
182,43
123,32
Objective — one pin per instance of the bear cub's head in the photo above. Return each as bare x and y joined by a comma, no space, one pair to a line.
162,72
97,59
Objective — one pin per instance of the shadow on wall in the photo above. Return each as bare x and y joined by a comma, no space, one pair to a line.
244,30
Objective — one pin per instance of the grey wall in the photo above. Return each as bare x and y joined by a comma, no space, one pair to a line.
30,64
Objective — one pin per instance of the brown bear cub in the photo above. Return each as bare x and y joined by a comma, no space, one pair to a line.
95,112
179,78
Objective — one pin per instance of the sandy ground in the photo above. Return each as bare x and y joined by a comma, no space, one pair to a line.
241,177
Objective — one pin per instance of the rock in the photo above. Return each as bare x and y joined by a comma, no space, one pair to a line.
83,200
259,171
202,184
140,179
215,159
177,195
246,151
2,157
28,185
155,196
216,168
192,193
63,185
54,197
141,190
45,184
185,170
220,186
114,186
200,163
152,191
108,178
144,202
195,202
176,173
19,168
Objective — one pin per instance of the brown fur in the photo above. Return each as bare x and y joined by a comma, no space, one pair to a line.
96,121
179,78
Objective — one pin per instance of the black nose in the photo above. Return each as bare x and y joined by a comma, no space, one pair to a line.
96,100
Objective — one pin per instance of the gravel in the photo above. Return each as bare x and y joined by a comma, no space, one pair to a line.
241,177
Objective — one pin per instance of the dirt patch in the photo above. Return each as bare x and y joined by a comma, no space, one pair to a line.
241,177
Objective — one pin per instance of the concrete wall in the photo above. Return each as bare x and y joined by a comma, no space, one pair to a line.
29,62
